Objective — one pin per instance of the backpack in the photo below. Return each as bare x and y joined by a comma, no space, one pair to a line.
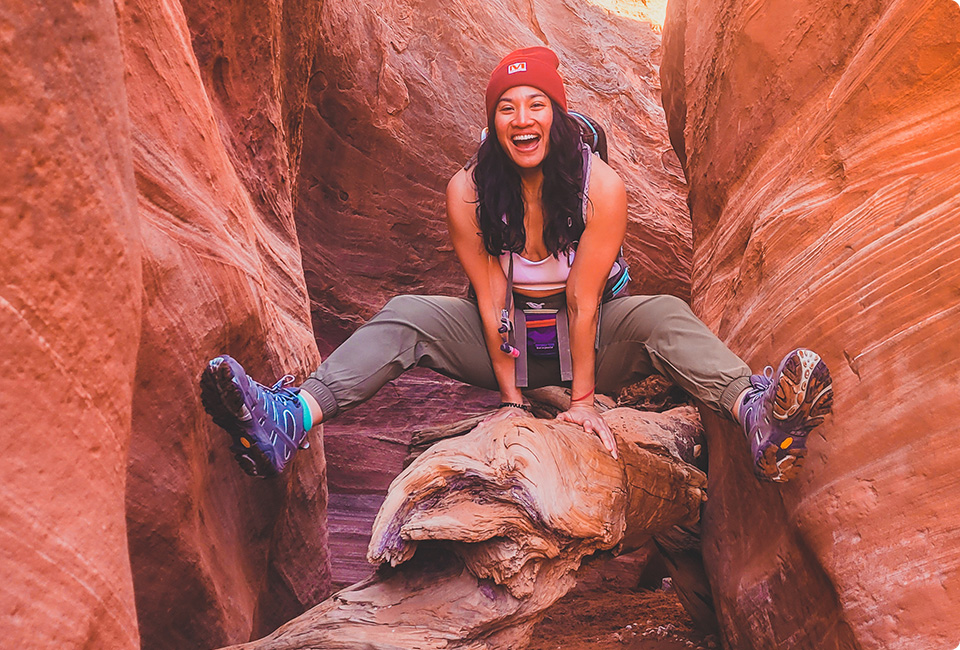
592,134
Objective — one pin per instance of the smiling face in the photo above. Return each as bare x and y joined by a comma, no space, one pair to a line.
522,120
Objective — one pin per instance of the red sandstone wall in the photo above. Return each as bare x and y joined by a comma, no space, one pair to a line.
149,165
215,94
70,304
395,107
821,143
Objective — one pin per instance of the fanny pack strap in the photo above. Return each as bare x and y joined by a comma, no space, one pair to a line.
520,326
514,331
563,344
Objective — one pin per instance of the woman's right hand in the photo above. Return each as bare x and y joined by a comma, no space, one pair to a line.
506,413
485,274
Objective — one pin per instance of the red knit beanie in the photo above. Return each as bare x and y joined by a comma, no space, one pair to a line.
529,66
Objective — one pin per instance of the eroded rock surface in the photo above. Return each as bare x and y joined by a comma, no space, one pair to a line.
70,304
821,146
215,94
150,157
395,107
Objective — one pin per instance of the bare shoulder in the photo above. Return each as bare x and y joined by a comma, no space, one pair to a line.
604,181
461,188
462,204
608,195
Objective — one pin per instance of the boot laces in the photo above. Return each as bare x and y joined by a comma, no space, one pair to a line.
284,381
760,383
278,391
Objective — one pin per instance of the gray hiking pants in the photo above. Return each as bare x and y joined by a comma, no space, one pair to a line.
639,336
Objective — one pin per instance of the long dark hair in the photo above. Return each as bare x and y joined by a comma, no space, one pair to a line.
499,193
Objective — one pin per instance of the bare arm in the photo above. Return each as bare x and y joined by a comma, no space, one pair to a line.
485,275
598,249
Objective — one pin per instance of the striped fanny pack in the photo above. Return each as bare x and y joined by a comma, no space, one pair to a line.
540,327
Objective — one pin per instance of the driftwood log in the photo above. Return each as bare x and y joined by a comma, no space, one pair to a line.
482,532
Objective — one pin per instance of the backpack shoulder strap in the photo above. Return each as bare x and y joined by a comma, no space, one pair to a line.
592,134
587,155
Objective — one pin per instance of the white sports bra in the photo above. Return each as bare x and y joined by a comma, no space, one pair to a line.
548,274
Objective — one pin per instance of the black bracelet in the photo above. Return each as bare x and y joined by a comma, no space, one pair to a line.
513,405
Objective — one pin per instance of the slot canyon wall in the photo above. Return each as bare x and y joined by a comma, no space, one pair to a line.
68,340
150,160
216,93
822,149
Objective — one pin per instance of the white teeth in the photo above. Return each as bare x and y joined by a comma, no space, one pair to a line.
525,138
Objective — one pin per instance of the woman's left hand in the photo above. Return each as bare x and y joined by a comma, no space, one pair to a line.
589,418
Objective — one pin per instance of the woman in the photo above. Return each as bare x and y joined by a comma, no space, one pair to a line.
538,221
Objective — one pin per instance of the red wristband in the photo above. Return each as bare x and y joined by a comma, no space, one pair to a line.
584,396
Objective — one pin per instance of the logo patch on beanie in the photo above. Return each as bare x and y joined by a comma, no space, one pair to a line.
517,67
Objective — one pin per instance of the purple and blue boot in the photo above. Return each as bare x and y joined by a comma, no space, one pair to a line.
780,409
266,424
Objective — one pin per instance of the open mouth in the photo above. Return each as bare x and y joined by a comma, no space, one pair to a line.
526,141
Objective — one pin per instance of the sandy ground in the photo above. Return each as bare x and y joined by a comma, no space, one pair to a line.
619,603
601,618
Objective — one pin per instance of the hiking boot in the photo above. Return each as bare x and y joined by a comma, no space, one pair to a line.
779,411
266,424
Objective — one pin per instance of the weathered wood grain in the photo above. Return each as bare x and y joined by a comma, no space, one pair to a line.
482,532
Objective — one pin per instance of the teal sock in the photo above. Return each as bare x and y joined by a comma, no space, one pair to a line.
307,415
